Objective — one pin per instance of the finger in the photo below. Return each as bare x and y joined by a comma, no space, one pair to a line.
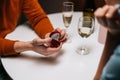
63,35
100,12
51,50
58,29
111,13
111,17
100,15
63,38
97,12
39,41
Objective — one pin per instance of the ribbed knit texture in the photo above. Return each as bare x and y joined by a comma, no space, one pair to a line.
10,11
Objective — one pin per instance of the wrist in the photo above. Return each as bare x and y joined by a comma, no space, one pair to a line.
22,46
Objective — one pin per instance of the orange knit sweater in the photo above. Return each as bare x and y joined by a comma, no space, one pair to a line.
10,11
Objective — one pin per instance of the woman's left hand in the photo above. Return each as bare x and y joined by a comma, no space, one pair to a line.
63,35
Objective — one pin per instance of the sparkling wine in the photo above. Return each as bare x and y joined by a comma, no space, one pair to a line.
86,27
67,17
84,32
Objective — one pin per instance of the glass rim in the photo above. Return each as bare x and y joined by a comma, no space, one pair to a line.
68,3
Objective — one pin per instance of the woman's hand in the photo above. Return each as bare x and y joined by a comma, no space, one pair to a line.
43,46
62,32
38,45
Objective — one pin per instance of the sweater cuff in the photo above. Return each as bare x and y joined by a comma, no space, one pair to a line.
8,48
43,27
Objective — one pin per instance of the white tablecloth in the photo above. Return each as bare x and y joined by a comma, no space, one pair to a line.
68,65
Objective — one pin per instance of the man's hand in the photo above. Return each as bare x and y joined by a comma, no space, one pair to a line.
108,17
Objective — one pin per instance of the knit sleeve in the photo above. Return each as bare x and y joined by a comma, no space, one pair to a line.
7,47
37,17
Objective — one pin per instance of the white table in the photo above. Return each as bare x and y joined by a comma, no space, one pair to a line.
68,65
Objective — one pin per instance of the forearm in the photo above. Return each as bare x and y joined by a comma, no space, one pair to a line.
22,46
37,17
112,41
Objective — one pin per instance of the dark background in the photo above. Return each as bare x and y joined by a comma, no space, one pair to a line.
54,6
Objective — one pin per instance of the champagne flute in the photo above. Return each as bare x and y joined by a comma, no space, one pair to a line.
85,29
67,13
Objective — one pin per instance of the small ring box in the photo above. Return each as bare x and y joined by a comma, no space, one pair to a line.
55,35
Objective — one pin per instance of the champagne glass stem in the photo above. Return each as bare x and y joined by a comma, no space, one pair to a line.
68,35
83,50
